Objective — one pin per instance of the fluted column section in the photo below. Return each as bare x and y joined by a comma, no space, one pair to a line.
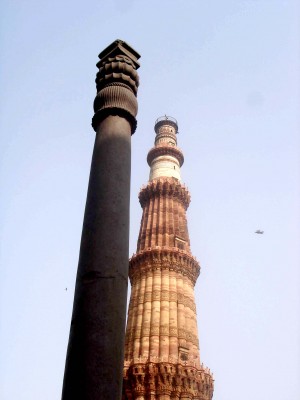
171,223
164,317
164,201
193,343
155,314
173,323
132,318
155,220
160,224
145,335
142,234
181,312
139,319
166,220
188,315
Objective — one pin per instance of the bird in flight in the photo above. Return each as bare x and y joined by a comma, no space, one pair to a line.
259,232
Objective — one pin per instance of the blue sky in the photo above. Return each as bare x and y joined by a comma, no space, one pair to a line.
228,71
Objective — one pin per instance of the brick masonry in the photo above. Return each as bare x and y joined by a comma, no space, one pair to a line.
162,358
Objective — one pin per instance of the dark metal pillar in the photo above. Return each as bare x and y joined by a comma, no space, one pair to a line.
95,354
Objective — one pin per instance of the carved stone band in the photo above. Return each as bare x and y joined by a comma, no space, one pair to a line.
115,99
163,150
165,187
170,259
169,379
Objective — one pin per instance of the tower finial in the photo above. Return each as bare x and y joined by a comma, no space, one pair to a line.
165,158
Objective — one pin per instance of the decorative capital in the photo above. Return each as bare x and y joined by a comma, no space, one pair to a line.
117,83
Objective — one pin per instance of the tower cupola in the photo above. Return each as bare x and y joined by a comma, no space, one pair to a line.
165,158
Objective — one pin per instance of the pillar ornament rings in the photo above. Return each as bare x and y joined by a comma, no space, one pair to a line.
115,99
117,83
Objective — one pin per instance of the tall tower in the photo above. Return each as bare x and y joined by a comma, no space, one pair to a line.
162,359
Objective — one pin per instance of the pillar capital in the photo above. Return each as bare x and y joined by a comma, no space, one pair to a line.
117,83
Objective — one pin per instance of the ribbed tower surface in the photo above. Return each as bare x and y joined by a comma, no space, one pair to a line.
162,358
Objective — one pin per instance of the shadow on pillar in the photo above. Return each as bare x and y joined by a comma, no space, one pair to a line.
95,353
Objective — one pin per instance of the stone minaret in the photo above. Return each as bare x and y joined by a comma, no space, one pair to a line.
162,359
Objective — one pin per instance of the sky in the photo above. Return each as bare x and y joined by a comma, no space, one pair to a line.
228,71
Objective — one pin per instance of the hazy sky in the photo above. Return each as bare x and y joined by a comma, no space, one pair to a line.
228,71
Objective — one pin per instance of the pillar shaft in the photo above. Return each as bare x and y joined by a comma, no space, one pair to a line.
96,344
